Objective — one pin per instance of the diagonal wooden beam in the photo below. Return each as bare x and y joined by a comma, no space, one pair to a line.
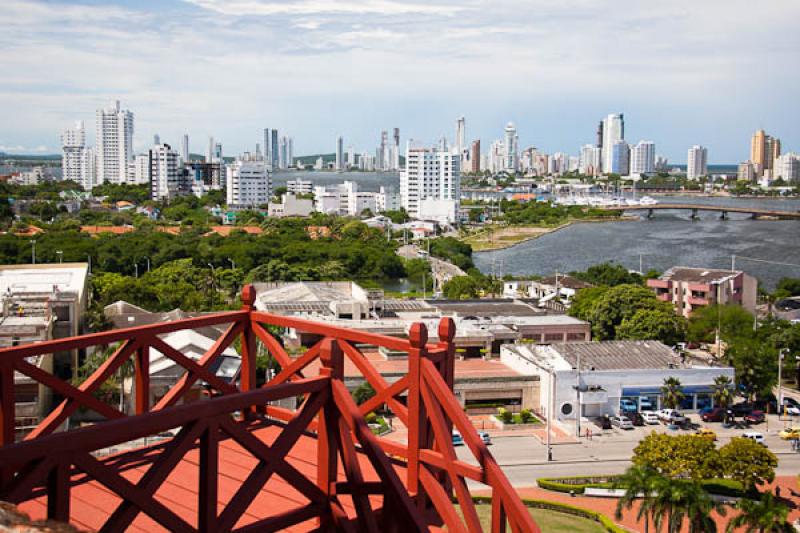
283,521
295,367
352,469
441,500
20,487
69,405
384,396
130,492
272,345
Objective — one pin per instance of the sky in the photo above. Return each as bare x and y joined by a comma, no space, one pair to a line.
683,72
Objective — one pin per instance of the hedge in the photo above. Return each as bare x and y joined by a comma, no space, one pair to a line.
602,519
578,484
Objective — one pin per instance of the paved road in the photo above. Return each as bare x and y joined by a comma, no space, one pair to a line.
441,269
524,458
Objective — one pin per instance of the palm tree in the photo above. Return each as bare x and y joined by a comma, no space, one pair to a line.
672,393
766,515
676,500
639,483
722,391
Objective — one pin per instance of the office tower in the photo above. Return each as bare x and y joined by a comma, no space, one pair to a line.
267,147
210,150
511,144
429,173
258,151
461,133
73,159
396,150
620,158
163,164
274,150
589,160
185,148
764,149
396,135
696,166
290,153
643,158
339,153
218,152
475,157
248,183
351,157
613,130
599,143
662,163
114,141
156,139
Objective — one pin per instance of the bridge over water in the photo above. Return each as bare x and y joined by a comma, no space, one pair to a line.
754,212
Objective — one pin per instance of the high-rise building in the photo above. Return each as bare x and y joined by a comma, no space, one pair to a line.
163,172
75,161
429,173
643,158
662,163
746,172
787,167
156,139
114,143
475,157
267,147
185,148
210,150
248,183
613,130
289,152
764,150
461,133
589,160
697,164
620,158
274,150
511,144
339,153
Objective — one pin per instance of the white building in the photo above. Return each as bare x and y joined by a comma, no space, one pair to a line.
139,170
444,212
77,162
599,376
248,183
511,143
429,173
114,144
300,186
339,153
163,172
292,206
697,164
787,166
387,200
613,130
495,159
643,158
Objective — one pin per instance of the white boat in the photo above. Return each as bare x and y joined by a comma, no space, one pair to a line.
648,200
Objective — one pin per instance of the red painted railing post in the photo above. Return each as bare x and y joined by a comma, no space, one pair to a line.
248,374
7,407
332,360
417,419
142,379
447,332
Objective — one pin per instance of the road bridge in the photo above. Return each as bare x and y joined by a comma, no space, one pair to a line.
724,211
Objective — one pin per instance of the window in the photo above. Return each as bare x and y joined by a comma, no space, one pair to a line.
566,409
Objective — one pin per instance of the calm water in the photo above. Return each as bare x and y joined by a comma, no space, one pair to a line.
670,238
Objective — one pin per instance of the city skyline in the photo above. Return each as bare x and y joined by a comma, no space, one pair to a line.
554,91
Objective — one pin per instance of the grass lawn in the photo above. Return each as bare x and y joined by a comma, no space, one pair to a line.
547,520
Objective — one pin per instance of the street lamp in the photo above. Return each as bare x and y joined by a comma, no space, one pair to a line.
233,265
148,262
136,269
33,251
781,355
60,255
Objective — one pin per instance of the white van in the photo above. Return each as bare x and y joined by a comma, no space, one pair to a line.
756,436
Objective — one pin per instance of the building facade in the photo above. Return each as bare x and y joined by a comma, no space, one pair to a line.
248,183
643,158
77,161
697,163
612,130
164,175
689,289
429,173
620,158
114,144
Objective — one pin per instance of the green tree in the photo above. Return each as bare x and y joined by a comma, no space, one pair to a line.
584,302
672,392
609,274
756,366
679,456
789,285
461,287
748,462
661,324
619,303
765,515
722,391
640,483
676,500
732,321
363,393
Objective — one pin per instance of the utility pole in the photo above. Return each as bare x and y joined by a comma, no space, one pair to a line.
136,269
60,255
781,355
33,251
733,262
578,391
550,410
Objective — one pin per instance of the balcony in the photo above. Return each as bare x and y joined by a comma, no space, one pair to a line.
696,301
658,283
237,461
664,296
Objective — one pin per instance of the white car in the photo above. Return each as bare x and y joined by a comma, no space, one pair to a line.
649,417
793,410
671,416
756,436
622,422
485,437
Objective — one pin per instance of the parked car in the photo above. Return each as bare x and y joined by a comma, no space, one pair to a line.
755,417
603,422
458,440
756,436
485,437
790,433
645,404
650,417
706,434
628,405
717,414
622,422
672,416
636,418
742,409
792,410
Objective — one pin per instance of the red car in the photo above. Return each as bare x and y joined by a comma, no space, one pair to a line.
754,417
715,415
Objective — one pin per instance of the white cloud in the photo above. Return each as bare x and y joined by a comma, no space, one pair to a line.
315,7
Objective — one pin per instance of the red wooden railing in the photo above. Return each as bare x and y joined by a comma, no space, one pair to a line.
47,462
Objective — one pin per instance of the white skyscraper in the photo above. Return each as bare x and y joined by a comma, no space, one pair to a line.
75,161
787,167
248,183
511,144
643,158
114,143
185,148
589,162
696,166
429,173
613,130
210,150
339,153
461,137
163,172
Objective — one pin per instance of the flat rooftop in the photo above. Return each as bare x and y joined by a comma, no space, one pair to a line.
618,355
40,279
498,307
698,275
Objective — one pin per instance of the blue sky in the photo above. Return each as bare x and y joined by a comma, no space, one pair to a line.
683,71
